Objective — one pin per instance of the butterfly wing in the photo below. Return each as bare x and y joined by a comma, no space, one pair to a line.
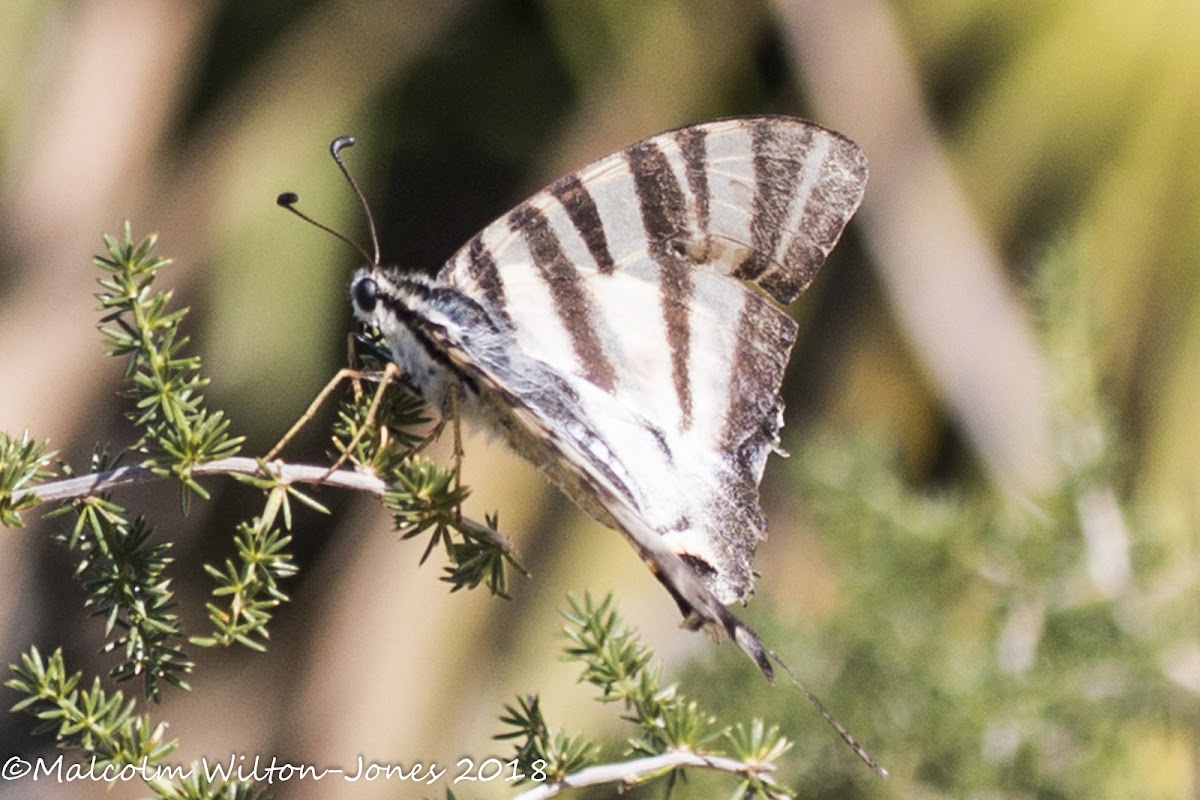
546,420
636,281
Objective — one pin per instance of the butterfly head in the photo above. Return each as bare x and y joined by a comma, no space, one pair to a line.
396,306
364,290
426,324
386,297
389,299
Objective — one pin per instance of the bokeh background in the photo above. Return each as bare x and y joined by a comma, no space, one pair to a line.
984,548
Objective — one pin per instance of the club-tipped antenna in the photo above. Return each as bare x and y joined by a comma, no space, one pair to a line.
335,149
288,200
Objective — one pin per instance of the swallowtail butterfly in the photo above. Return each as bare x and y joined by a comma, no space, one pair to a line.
622,329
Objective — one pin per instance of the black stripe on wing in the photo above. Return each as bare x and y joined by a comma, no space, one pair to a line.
572,302
581,209
664,218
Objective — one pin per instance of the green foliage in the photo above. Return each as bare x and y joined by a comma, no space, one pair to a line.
383,441
124,577
426,498
423,497
91,720
165,386
22,463
616,662
197,786
756,743
557,753
124,573
475,559
973,629
105,727
252,580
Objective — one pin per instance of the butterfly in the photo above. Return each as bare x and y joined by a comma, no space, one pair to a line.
623,330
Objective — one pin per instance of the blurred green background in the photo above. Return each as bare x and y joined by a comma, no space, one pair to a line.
984,548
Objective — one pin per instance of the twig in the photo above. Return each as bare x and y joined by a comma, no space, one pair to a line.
629,773
285,473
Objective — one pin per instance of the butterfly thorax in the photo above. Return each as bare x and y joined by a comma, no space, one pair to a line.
414,313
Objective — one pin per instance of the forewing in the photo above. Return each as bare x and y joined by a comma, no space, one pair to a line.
634,273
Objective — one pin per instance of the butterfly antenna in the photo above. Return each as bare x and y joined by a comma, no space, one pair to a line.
335,149
288,200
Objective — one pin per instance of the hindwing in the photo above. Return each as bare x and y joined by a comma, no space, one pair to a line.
649,284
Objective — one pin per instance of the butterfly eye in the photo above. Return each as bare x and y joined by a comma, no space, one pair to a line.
366,294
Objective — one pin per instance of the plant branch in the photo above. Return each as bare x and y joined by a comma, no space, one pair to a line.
283,472
629,773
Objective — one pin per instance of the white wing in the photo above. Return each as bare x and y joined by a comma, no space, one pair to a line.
631,280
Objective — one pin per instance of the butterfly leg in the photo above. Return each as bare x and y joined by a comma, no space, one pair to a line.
390,372
450,412
311,411
434,434
351,373
447,415
452,401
